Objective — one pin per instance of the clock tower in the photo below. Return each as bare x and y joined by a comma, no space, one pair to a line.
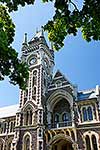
31,114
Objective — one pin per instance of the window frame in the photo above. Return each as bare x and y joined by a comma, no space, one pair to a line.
86,107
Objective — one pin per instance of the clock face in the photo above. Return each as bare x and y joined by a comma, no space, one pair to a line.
32,61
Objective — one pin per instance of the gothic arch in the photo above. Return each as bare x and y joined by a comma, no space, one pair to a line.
90,134
56,96
27,138
28,113
60,137
29,104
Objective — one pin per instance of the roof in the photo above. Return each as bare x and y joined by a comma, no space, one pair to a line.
8,111
38,35
86,96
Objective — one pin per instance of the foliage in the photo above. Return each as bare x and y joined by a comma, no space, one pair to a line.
13,4
10,65
68,19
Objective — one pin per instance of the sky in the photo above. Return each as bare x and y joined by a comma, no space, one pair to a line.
77,60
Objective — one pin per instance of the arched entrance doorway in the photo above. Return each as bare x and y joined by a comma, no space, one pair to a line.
60,142
62,145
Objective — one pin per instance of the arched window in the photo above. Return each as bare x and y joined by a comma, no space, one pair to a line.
27,117
30,121
89,111
56,119
87,140
85,118
11,127
26,143
5,126
34,78
65,117
94,142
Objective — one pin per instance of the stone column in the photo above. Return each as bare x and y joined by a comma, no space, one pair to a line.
72,115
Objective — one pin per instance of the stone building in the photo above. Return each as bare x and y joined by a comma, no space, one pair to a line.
52,114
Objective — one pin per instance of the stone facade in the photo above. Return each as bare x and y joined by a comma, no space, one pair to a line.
52,113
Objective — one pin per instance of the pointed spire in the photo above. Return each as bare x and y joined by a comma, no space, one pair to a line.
25,38
36,29
42,31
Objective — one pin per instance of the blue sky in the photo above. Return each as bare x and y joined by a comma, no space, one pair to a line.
78,60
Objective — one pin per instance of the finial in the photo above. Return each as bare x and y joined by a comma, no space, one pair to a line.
36,29
25,38
42,30
52,45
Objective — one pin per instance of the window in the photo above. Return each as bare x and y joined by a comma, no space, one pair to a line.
26,142
56,119
5,126
90,116
84,114
30,122
91,142
34,78
65,117
88,146
87,113
28,117
94,142
11,127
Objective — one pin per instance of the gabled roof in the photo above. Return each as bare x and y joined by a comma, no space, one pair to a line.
59,76
38,35
87,95
8,111
60,81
